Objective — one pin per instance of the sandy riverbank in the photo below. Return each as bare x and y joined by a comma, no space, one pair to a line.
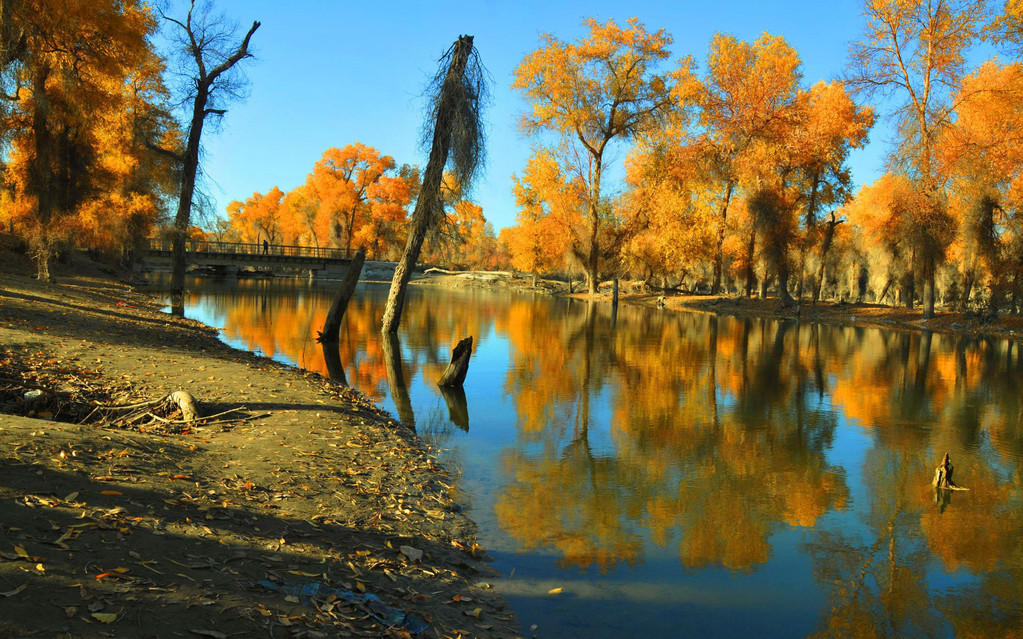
218,529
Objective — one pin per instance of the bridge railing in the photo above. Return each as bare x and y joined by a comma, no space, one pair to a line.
255,249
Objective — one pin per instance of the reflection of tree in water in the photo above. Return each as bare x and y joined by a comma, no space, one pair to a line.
718,476
876,582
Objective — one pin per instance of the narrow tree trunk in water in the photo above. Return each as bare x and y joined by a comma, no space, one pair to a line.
428,202
332,325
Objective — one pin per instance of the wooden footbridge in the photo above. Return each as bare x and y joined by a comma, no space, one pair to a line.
228,257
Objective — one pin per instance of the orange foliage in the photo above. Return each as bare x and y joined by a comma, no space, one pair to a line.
88,85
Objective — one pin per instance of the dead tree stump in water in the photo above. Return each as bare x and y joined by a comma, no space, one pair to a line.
943,475
454,374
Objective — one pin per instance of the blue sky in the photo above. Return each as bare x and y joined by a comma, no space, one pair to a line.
330,73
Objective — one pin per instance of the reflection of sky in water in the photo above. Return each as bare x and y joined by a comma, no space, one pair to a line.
861,449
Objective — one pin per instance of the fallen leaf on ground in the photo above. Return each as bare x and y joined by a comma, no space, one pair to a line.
11,593
105,617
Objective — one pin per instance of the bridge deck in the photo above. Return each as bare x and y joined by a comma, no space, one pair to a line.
249,252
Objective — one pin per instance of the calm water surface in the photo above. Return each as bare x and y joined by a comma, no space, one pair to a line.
679,474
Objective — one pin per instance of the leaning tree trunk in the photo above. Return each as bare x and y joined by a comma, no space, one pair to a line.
428,203
332,325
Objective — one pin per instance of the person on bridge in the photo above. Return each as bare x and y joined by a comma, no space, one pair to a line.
266,247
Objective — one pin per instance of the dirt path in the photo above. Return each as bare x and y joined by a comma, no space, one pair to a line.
279,523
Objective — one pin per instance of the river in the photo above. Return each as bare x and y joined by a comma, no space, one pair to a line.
654,474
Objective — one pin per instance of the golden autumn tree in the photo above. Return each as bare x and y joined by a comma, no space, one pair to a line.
885,211
1007,27
552,206
747,98
67,66
259,217
827,127
984,169
381,233
913,51
342,180
600,89
300,218
672,198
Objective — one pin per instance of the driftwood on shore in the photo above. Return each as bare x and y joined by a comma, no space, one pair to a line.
454,374
186,404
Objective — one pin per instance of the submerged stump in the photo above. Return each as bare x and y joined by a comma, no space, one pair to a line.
943,475
454,374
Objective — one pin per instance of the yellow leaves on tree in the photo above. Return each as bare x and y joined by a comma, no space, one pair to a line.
87,83
259,218
592,92
552,206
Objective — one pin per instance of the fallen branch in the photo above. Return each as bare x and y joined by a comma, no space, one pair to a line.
443,271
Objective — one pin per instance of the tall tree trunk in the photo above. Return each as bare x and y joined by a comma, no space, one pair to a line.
829,236
783,284
811,232
189,169
967,286
593,259
205,81
750,250
41,185
428,203
929,285
719,252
